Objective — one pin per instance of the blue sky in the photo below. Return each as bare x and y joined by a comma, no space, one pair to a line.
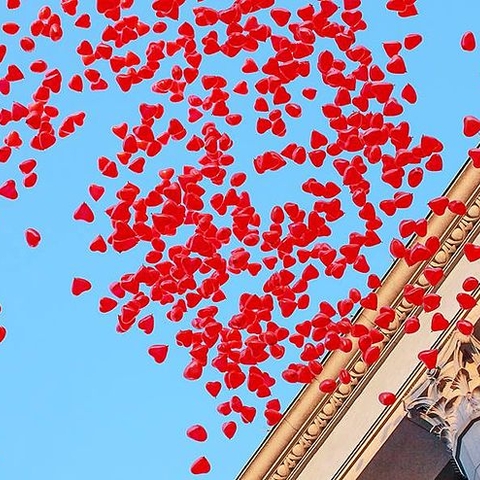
79,400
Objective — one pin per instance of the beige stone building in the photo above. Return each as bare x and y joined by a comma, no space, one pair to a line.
431,431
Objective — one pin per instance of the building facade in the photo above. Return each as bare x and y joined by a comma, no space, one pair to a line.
431,431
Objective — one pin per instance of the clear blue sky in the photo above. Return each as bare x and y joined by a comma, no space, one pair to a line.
79,400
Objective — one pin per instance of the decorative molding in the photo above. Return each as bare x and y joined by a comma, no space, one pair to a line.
312,415
311,435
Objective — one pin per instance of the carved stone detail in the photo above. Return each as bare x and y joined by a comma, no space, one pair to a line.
449,398
331,404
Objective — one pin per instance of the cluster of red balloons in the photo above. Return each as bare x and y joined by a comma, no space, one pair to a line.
364,141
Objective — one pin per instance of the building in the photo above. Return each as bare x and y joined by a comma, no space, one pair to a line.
431,430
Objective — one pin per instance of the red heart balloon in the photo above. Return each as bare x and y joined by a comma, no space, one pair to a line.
429,358
465,327
80,285
272,416
213,388
468,42
433,275
200,466
411,325
472,252
197,433
471,126
85,213
146,324
387,398
158,352
466,301
32,237
412,40
439,322
229,429
107,304
3,333
470,284
328,386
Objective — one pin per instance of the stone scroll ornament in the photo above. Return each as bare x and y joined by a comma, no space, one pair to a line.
449,398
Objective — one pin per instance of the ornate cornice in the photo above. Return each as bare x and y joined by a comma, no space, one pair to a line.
313,414
358,369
